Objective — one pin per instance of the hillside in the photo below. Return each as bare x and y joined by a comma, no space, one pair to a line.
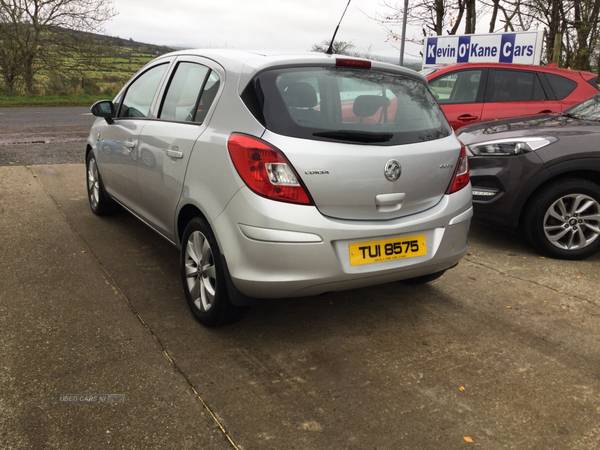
122,58
127,57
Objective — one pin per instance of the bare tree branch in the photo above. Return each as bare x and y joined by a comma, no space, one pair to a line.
575,22
40,34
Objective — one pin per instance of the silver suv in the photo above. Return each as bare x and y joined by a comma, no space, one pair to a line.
283,175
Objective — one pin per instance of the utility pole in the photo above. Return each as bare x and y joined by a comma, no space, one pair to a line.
403,39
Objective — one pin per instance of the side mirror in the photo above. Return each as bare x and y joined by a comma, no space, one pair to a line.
104,108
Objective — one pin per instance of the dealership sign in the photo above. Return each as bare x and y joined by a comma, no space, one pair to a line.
523,47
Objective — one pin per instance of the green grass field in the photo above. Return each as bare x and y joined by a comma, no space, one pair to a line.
103,83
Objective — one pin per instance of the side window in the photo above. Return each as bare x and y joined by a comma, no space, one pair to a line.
140,93
183,92
208,96
516,86
457,87
561,86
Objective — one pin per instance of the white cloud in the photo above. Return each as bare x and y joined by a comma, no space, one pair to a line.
251,25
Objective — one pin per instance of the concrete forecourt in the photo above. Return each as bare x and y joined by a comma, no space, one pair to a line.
99,349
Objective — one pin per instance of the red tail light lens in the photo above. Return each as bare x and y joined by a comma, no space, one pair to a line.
461,173
265,170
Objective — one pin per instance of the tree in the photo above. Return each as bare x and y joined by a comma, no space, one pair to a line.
575,24
434,17
10,61
585,23
46,34
339,48
471,19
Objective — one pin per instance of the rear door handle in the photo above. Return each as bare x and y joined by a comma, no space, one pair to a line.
546,111
467,118
129,144
174,153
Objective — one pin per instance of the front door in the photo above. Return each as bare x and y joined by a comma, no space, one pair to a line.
118,142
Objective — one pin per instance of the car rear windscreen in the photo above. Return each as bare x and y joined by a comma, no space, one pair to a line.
341,104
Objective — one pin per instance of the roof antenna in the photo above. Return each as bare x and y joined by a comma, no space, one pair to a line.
330,49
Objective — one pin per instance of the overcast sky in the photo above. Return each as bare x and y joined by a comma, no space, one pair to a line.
253,24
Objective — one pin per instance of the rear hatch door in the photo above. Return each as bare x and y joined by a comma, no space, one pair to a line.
367,144
358,181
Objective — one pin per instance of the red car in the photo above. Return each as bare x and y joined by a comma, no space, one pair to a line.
472,92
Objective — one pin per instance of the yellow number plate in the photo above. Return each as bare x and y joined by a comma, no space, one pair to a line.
387,250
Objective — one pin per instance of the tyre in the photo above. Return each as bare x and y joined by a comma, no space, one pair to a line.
563,220
424,278
203,277
100,202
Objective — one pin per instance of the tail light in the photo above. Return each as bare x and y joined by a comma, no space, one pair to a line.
265,170
353,63
461,174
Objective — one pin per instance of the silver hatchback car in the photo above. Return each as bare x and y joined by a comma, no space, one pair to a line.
283,175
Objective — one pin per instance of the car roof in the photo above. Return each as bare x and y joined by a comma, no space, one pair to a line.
252,62
539,68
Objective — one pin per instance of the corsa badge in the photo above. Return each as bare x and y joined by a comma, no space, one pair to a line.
392,170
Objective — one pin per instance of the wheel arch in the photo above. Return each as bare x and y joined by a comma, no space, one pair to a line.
187,213
88,149
586,169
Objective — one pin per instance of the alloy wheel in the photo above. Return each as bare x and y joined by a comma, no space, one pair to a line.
572,222
93,183
200,271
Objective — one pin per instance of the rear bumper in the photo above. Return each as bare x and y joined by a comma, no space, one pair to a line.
278,250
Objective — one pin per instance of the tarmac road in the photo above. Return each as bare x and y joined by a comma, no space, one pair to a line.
23,119
502,351
30,136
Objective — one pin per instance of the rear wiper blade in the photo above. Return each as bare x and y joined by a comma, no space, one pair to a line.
356,136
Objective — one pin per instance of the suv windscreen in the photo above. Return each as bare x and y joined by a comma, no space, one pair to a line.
351,105
590,108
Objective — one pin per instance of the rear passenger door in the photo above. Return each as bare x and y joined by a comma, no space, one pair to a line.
166,143
512,93
460,94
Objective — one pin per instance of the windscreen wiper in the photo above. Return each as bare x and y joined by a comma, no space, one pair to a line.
572,116
578,117
356,136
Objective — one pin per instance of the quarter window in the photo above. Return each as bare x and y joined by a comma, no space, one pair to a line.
208,96
140,93
561,86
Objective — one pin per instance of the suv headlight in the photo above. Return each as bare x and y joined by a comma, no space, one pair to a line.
510,146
